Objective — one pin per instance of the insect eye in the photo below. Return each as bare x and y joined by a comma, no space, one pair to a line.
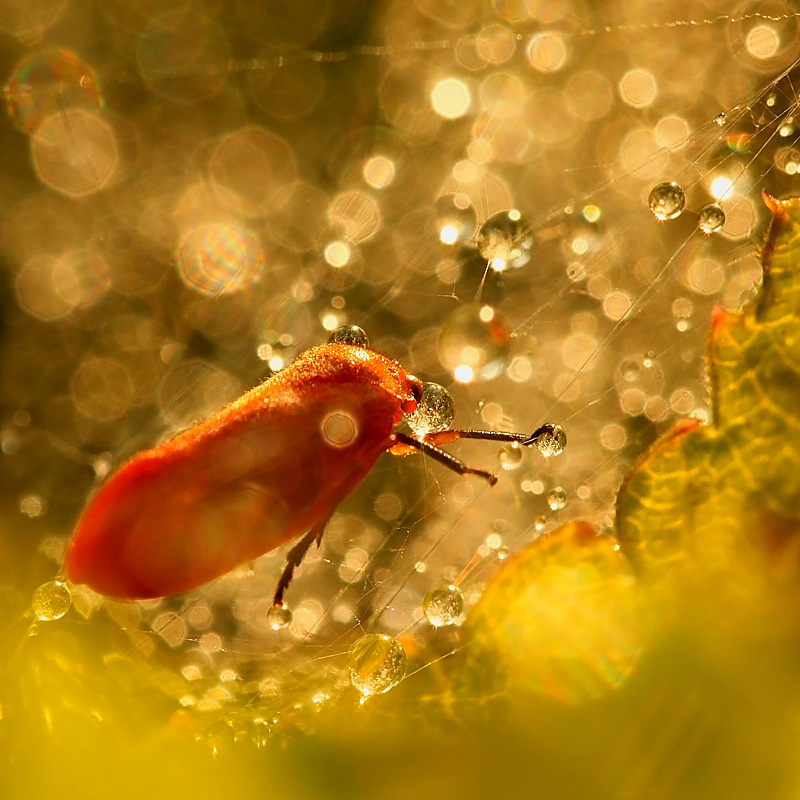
409,406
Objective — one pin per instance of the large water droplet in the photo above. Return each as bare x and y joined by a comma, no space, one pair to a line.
377,663
434,412
666,201
552,441
505,240
51,601
556,498
473,343
443,606
711,218
349,334
279,616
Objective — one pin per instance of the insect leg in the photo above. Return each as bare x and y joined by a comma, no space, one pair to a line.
445,437
451,462
293,560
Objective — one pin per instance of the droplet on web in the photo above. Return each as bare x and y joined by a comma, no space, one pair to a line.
711,218
51,601
505,240
666,201
443,606
377,664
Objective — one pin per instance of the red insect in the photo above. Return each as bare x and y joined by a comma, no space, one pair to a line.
269,467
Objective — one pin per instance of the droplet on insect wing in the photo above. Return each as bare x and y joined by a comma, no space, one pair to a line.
434,412
711,218
510,456
666,201
51,601
349,334
377,663
552,442
505,240
556,498
443,606
279,617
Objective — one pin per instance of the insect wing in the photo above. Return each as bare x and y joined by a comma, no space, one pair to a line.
227,491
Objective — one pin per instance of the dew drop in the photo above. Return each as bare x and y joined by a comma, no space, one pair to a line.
443,606
556,498
711,218
552,441
434,412
510,456
51,601
666,201
505,240
279,616
540,522
720,119
502,552
349,334
377,663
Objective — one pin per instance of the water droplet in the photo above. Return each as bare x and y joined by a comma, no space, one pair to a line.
666,201
349,334
377,663
434,412
502,552
556,498
279,616
505,241
552,442
540,522
720,119
473,343
510,456
443,606
51,601
711,218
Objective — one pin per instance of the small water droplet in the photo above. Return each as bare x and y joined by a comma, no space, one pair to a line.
510,456
434,412
552,441
443,606
666,201
349,334
279,616
556,498
540,522
711,218
720,119
502,552
51,601
505,240
377,663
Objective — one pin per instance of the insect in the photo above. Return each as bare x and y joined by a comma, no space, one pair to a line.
268,468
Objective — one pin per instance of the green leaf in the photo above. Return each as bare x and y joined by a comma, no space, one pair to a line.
712,512
562,619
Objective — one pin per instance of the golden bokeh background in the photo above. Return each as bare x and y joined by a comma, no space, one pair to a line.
194,192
